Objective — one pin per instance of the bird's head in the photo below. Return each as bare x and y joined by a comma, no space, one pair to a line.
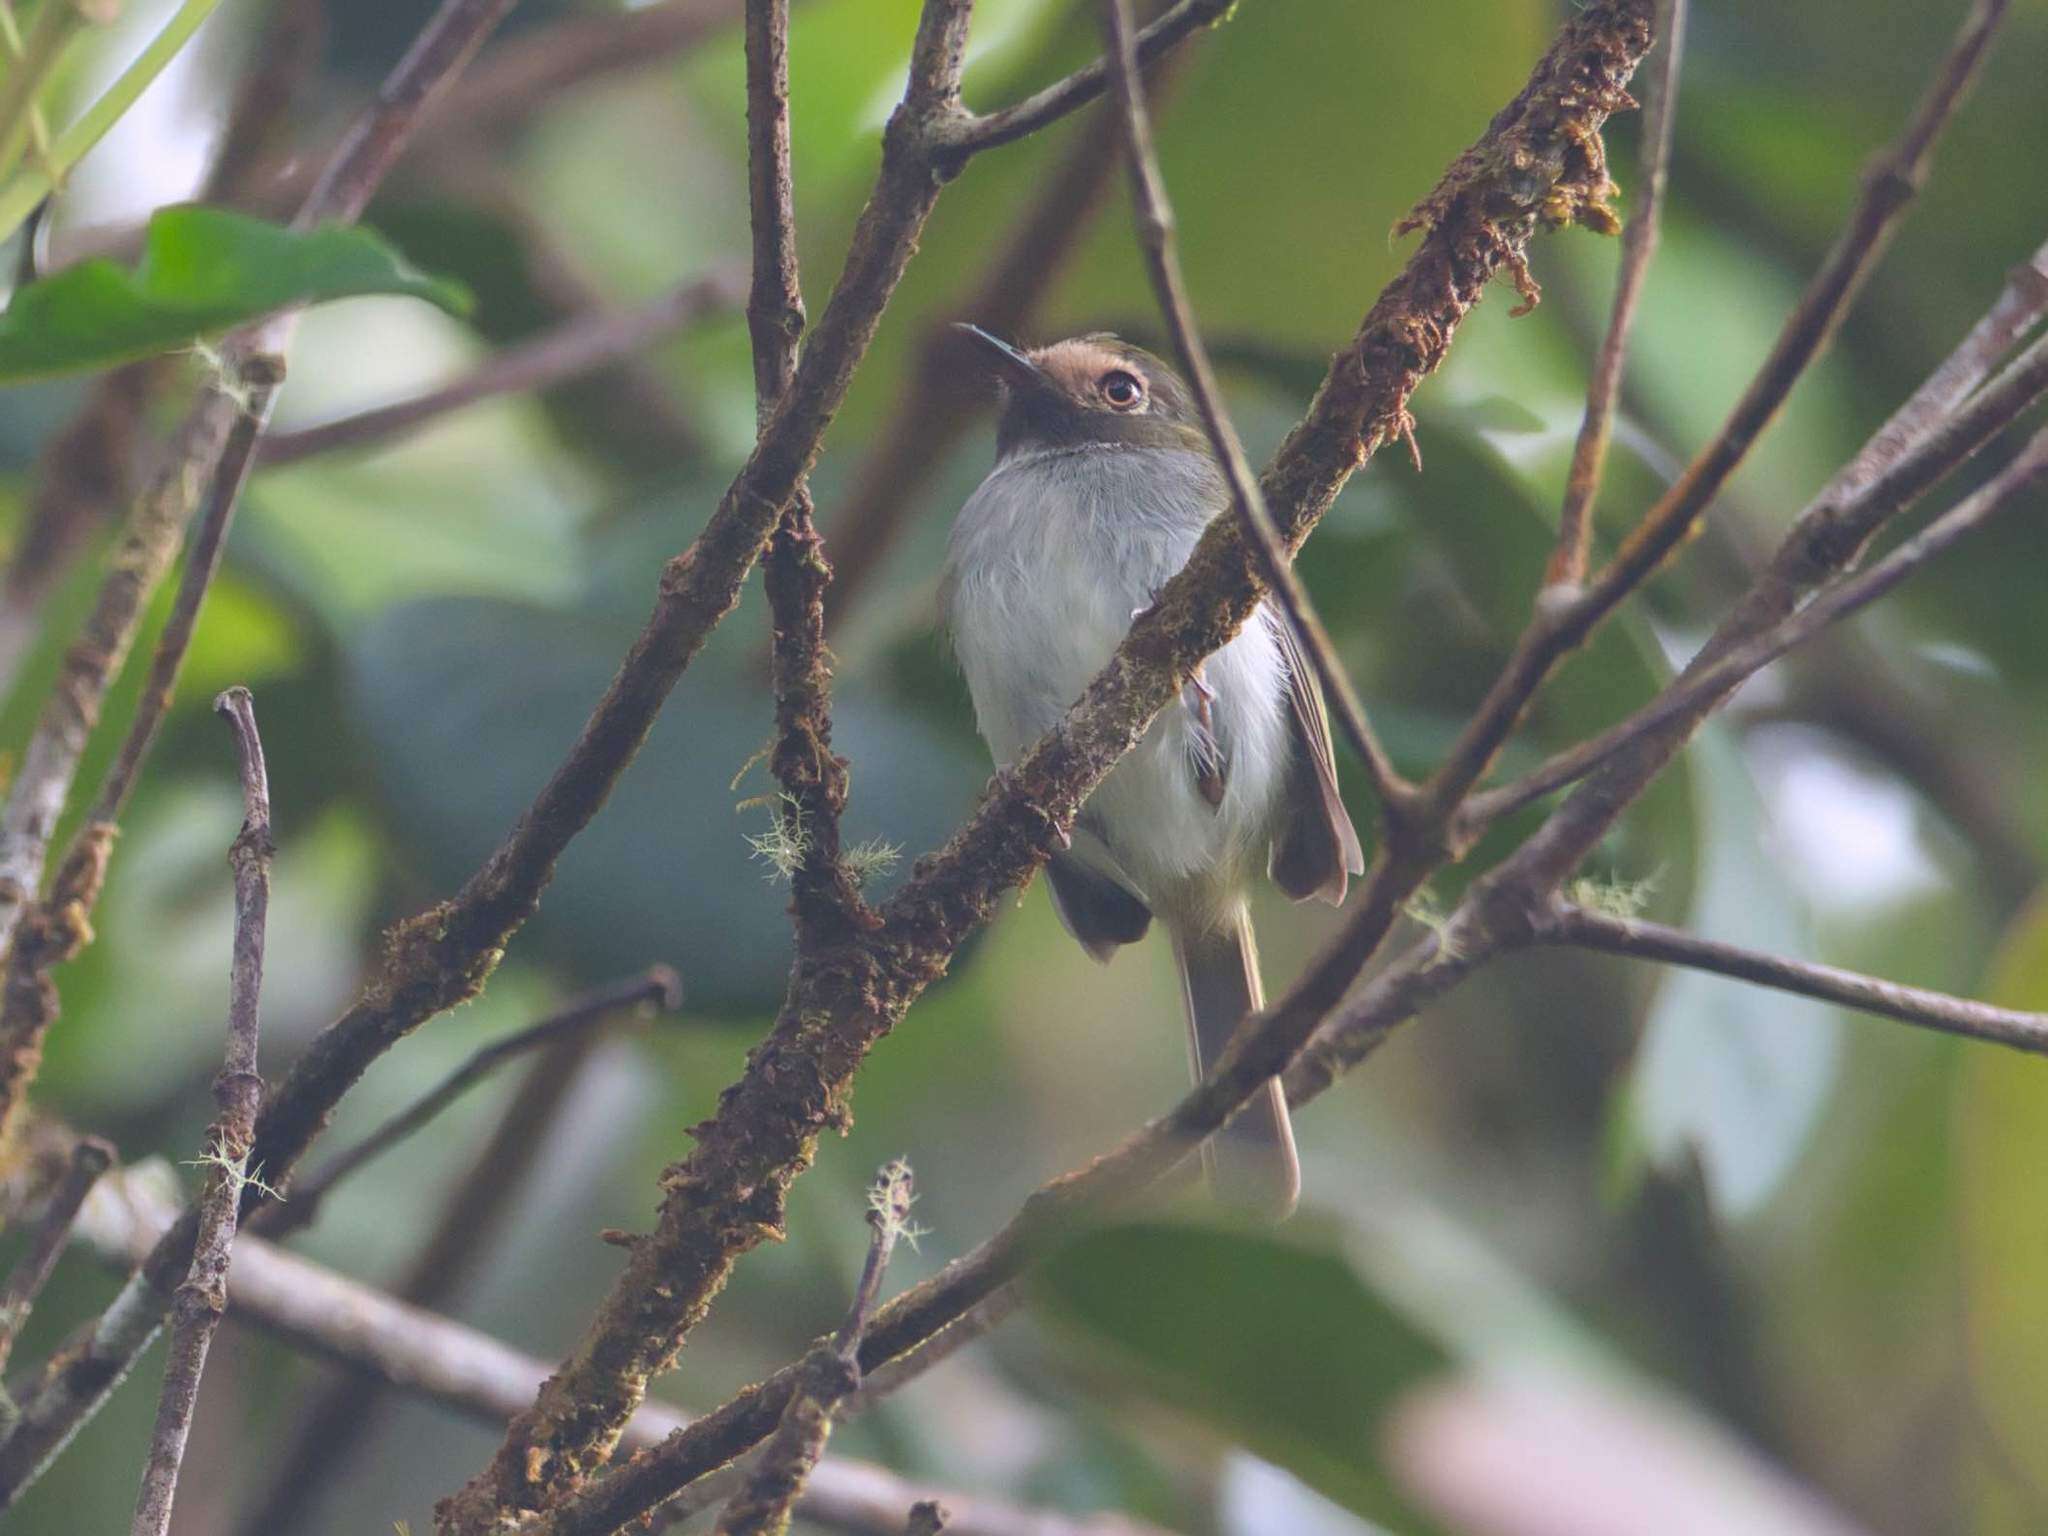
1087,389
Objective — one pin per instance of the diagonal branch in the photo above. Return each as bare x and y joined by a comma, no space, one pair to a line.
203,1298
1154,217
1638,246
969,133
1584,929
90,1158
578,346
657,987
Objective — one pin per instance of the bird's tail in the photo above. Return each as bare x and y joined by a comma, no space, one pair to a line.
1251,1162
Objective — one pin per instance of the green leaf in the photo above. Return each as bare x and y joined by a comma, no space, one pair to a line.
2000,1125
202,271
1280,1345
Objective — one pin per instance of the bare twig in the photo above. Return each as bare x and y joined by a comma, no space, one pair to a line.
827,1376
90,1158
657,987
436,1359
969,134
1154,217
576,347
1638,245
1584,929
203,1298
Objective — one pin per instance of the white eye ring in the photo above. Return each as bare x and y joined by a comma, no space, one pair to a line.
1123,390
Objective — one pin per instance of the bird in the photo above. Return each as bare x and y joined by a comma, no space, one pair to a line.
1103,482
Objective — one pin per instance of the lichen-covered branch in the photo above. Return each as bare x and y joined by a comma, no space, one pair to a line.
89,1158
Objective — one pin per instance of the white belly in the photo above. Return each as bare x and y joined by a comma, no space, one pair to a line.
1050,559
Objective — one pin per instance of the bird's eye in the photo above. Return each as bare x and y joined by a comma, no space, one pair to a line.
1122,390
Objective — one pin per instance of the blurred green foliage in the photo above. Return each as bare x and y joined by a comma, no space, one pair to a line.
202,271
1826,1232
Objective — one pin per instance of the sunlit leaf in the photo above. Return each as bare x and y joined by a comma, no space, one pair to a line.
1738,1073
2001,1130
202,270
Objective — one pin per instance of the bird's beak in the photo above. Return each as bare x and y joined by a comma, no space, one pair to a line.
1006,362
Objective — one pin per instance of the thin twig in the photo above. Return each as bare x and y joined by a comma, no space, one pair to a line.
657,987
970,133
572,349
1638,245
1154,215
827,1376
203,1298
90,1158
714,1489
1584,929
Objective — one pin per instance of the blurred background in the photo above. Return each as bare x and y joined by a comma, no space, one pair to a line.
1828,1235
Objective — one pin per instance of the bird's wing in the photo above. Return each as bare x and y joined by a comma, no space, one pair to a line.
1316,848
